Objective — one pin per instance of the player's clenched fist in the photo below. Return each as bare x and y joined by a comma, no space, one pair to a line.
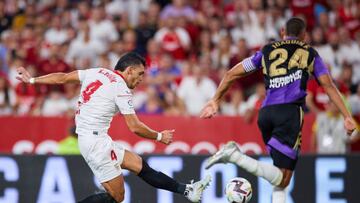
167,136
23,75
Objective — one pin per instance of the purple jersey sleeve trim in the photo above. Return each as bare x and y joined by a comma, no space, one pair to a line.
253,62
320,67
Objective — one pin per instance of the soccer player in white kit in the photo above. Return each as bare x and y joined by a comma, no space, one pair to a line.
103,93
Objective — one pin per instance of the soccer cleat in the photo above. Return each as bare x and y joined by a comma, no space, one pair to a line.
194,191
223,155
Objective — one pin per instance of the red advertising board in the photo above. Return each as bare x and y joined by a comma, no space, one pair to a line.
192,135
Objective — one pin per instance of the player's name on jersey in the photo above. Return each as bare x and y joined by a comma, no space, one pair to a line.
290,41
285,80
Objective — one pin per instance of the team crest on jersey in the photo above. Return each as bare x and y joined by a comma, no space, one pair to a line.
130,103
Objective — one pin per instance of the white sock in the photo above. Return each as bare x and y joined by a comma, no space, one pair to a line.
278,195
267,171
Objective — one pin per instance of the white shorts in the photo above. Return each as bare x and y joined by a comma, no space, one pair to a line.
102,154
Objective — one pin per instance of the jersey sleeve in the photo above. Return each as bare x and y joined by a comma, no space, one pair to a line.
82,75
253,62
320,67
123,100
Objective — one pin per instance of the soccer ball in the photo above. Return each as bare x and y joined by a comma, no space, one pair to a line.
238,190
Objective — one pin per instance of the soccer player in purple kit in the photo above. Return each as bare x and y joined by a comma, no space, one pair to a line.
287,65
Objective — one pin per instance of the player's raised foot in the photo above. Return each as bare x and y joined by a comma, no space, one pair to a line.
223,155
194,190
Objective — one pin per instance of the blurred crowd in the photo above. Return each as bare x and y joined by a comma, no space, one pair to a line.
188,46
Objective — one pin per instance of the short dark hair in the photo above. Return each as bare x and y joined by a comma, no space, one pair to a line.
129,59
295,26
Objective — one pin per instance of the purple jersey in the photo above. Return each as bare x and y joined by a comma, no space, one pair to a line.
287,66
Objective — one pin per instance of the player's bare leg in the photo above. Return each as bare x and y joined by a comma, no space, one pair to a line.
115,192
137,165
103,197
115,187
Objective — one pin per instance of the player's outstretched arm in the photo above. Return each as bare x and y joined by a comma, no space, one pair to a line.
139,128
335,96
231,75
52,79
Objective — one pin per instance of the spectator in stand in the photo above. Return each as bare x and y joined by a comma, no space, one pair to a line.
55,104
153,54
82,10
57,34
235,13
221,55
115,8
304,8
236,106
344,81
258,30
173,105
29,45
348,13
354,102
153,14
54,63
152,104
279,12
8,100
204,46
9,48
317,99
117,49
25,93
196,90
4,51
350,52
144,32
178,8
15,62
102,29
173,40
254,102
331,53
129,39
329,134
103,61
317,37
165,74
324,22
121,23
241,52
84,47
6,19
27,96
130,8
71,93
216,30
207,9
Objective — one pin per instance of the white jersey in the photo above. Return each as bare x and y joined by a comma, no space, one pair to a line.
103,93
